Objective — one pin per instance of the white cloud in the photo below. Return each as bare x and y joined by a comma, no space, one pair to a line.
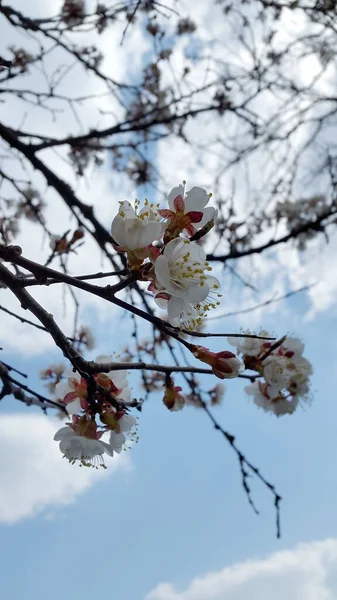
33,475
306,573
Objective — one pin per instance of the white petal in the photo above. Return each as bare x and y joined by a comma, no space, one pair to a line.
108,449
133,228
212,281
178,244
73,408
174,321
116,441
63,433
293,345
251,388
65,445
196,199
237,342
125,395
104,358
162,271
237,365
94,447
197,293
209,213
127,422
176,191
175,307
197,252
150,232
127,209
161,302
118,378
62,388
69,373
118,230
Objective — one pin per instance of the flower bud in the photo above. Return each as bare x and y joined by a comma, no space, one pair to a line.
225,365
172,398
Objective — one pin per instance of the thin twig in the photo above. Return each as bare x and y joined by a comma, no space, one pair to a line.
244,462
23,320
17,389
262,304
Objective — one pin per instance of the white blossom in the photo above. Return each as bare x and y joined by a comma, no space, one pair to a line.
188,293
123,432
118,378
276,373
292,346
72,391
117,441
279,405
88,451
127,422
188,210
133,230
286,376
248,346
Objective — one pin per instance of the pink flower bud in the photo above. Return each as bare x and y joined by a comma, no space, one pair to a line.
172,398
225,365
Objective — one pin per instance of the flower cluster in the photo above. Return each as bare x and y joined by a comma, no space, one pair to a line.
284,372
176,267
80,440
163,249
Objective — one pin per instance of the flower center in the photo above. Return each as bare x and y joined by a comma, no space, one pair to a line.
185,268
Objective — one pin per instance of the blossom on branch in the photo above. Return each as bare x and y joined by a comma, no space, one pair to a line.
186,210
250,346
186,291
73,390
172,399
225,365
285,372
115,381
80,441
121,426
133,230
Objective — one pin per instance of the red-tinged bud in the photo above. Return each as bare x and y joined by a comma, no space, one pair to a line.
61,245
77,235
172,398
225,364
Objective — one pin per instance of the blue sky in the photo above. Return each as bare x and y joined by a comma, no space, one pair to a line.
180,511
